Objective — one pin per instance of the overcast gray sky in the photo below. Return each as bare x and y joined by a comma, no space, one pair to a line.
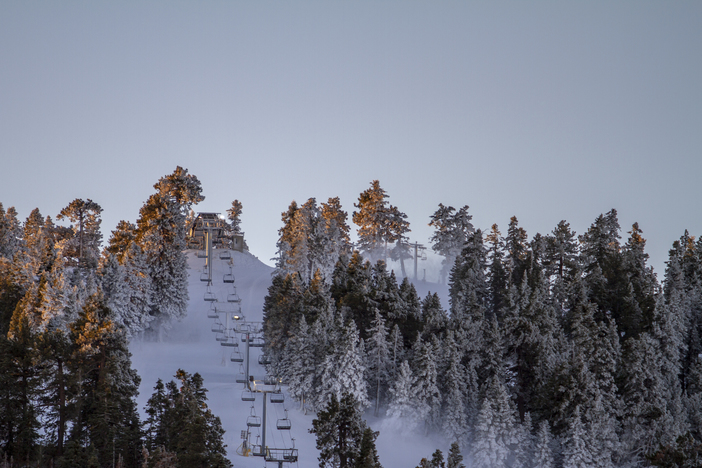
543,110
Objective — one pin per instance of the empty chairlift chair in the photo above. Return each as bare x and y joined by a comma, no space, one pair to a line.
209,295
248,395
222,337
236,357
253,420
217,328
233,297
264,360
225,255
278,398
284,424
230,343
228,278
212,313
256,342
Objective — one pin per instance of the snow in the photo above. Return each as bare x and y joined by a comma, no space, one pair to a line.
190,345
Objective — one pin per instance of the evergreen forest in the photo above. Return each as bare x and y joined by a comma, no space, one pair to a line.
555,350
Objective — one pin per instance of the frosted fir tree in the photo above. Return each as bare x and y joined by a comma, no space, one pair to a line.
455,418
427,386
486,452
10,233
378,364
344,369
378,222
300,370
543,456
86,234
646,422
399,226
451,231
404,402
121,239
234,216
576,453
161,235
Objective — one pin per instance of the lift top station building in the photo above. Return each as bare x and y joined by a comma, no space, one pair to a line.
218,230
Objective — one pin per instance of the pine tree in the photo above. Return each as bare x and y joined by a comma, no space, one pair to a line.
426,383
379,365
543,449
161,235
451,231
234,216
87,236
455,459
455,419
344,369
378,223
340,430
404,403
368,455
576,453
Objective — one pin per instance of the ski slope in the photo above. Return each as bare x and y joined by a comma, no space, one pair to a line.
190,345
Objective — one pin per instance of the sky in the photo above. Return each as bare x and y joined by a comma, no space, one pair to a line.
541,110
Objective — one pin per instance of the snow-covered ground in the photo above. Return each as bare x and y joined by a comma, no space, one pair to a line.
191,346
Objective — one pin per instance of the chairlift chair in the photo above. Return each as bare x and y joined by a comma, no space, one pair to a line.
209,295
204,276
212,313
230,344
256,342
236,357
264,360
253,421
283,424
277,398
228,278
233,297
240,378
217,328
225,255
201,254
248,395
222,338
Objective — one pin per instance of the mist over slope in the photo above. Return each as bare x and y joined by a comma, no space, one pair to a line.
190,345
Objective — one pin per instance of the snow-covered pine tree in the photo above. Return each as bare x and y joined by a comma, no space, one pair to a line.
404,403
161,235
451,231
455,418
379,363
10,233
543,456
425,369
84,246
344,369
575,452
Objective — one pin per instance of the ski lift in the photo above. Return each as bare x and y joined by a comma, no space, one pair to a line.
256,342
228,278
236,357
283,424
212,313
225,255
233,297
230,344
209,295
222,338
248,395
217,328
264,360
240,378
253,420
201,254
205,276
278,398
